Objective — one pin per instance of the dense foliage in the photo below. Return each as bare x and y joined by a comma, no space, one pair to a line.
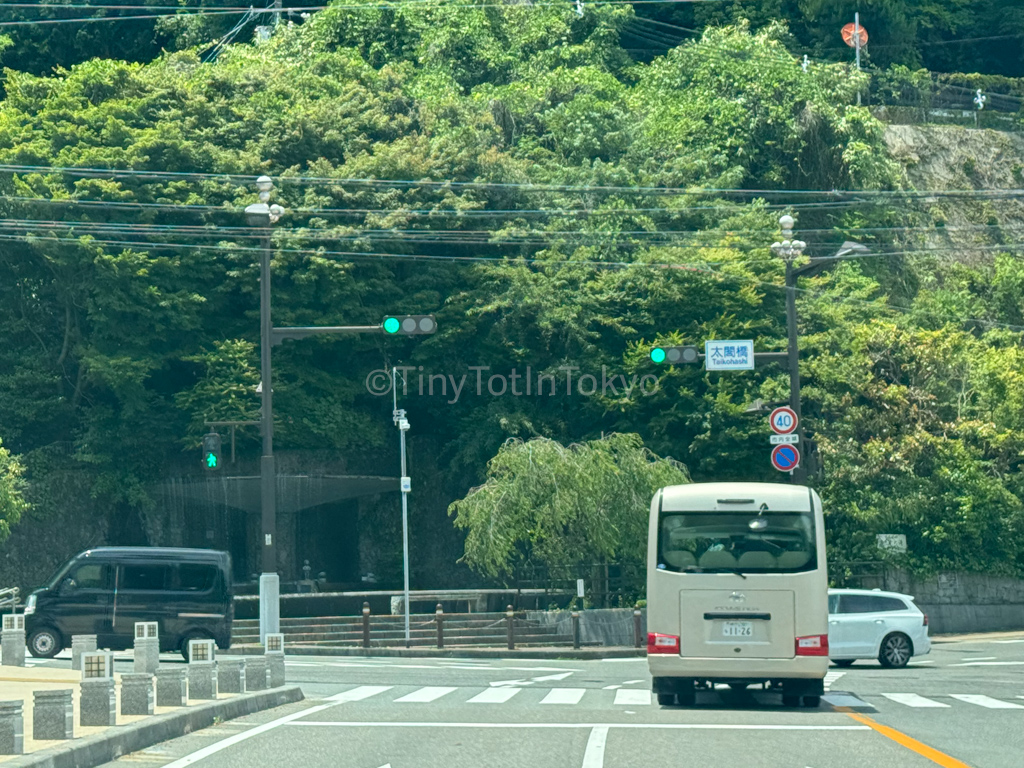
583,207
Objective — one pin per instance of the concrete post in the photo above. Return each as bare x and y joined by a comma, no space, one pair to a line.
53,715
147,647
439,618
274,656
137,693
12,728
637,634
255,673
97,704
81,644
12,640
171,687
510,628
202,670
366,625
576,629
231,676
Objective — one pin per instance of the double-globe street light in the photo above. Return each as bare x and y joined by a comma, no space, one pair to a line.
263,215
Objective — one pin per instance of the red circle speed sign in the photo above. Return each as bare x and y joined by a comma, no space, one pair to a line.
785,457
783,420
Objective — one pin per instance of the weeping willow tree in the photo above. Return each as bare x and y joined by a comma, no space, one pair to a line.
548,504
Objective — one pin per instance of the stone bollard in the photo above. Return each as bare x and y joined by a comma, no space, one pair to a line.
510,628
366,625
638,638
439,620
136,693
202,670
97,704
81,644
53,715
576,630
147,647
12,728
275,660
12,641
256,673
172,686
231,676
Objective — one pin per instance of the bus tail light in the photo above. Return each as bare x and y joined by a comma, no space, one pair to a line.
658,643
812,645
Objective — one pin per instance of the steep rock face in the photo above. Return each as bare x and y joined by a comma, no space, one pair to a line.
955,158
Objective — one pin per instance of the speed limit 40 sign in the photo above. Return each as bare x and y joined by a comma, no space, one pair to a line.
783,420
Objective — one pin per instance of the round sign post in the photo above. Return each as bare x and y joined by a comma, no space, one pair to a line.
783,420
785,458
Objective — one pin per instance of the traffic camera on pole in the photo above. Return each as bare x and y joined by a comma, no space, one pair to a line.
675,355
409,325
211,450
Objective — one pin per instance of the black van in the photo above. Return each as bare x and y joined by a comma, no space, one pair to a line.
104,591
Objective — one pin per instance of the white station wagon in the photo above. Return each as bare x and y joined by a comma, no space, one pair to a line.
871,624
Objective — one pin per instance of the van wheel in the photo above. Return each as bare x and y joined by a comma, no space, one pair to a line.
812,701
789,700
896,651
688,696
185,640
666,699
45,643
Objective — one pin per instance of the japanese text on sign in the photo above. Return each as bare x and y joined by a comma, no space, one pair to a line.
729,355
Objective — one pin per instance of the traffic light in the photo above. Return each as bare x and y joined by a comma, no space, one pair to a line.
409,324
674,355
211,451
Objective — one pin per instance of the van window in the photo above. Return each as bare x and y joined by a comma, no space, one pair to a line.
144,577
90,576
196,578
710,542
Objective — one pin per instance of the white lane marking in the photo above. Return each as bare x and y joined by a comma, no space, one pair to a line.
564,696
650,726
509,683
552,677
632,682
594,756
631,658
386,765
198,755
989,664
360,693
494,696
985,701
831,677
926,661
611,687
1006,642
980,658
532,680
633,696
913,700
427,694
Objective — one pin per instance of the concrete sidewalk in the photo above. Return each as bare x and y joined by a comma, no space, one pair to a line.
455,652
980,636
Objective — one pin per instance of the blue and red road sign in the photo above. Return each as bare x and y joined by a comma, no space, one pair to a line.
785,457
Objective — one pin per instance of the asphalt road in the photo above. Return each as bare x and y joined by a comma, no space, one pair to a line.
963,704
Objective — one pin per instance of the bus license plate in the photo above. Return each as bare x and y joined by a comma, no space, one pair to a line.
737,629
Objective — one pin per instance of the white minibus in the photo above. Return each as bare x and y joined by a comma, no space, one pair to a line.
737,591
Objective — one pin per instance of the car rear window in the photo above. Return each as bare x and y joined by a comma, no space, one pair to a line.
870,604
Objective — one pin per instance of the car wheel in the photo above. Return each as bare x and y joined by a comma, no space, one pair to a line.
896,651
789,700
688,696
812,701
45,643
666,699
842,662
185,640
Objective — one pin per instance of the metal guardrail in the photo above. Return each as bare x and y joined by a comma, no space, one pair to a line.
9,597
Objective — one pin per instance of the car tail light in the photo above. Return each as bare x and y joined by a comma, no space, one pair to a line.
658,643
812,645
924,621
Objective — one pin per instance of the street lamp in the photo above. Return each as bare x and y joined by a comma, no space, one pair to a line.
262,215
790,250
403,426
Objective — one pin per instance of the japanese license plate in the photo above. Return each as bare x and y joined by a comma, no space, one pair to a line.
737,629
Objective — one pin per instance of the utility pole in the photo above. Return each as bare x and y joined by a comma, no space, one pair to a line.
402,423
790,250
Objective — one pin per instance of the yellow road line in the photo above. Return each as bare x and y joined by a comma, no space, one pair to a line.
940,758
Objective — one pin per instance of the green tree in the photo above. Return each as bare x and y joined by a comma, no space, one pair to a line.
12,502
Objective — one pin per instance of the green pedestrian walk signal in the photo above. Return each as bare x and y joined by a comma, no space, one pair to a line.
409,325
211,450
675,355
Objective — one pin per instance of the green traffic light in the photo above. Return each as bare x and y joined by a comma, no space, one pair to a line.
658,355
211,460
391,325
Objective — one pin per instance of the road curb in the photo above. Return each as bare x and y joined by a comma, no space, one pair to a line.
124,739
454,653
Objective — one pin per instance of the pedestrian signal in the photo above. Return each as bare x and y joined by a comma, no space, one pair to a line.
211,451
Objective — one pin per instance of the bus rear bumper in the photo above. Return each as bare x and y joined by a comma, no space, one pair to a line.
739,670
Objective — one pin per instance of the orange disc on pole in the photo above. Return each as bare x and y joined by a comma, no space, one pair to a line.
848,36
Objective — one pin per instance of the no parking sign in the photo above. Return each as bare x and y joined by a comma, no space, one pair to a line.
785,458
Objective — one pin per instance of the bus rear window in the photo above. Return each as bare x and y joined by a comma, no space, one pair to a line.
711,542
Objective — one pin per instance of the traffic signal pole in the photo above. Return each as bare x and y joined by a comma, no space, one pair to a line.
270,582
800,471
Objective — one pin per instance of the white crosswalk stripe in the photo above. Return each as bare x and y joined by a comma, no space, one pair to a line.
913,700
831,677
495,696
985,701
564,696
426,695
360,693
633,696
